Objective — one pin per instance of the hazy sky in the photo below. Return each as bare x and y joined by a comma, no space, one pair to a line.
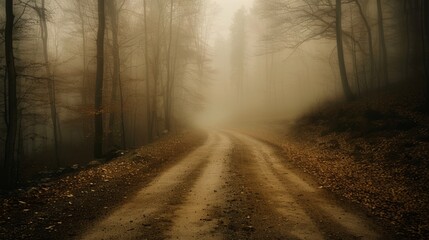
226,13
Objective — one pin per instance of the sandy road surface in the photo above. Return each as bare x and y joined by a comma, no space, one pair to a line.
233,187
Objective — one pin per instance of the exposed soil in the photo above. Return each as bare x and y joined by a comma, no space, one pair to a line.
271,199
173,204
233,187
61,208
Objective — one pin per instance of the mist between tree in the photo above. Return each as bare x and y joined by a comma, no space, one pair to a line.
94,77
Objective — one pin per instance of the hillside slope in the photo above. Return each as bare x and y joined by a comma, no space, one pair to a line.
375,151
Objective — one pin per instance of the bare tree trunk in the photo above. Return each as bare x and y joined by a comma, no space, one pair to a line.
121,98
354,57
267,76
238,41
156,73
148,98
154,108
340,49
173,76
407,38
425,40
383,49
20,148
86,126
84,57
10,159
135,127
98,119
116,73
169,77
370,43
50,79
6,100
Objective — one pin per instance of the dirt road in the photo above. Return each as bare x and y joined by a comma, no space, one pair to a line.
234,187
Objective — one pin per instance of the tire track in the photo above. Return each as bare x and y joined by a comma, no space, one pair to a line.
310,213
195,219
149,210
233,187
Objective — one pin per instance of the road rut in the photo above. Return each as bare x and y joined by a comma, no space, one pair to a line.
234,187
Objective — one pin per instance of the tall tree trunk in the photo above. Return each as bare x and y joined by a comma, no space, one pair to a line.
169,73
84,57
370,42
354,57
113,12
156,73
98,119
383,49
148,97
20,144
121,99
173,75
406,9
425,40
5,99
10,159
340,49
50,79
86,126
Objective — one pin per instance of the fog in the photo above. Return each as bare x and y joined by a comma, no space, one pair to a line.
278,84
95,77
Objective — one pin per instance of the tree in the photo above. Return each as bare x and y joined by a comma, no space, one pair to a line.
12,121
116,81
98,118
146,56
41,12
425,40
297,22
384,71
170,77
83,72
370,41
80,14
200,30
238,38
156,64
340,49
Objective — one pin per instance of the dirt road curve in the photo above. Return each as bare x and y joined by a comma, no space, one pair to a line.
234,187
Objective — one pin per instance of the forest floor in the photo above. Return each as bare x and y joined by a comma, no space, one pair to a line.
345,171
373,152
232,186
62,207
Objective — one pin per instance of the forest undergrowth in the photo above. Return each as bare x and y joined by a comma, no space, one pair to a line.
373,152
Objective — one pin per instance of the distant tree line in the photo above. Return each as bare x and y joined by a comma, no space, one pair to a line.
85,78
377,42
